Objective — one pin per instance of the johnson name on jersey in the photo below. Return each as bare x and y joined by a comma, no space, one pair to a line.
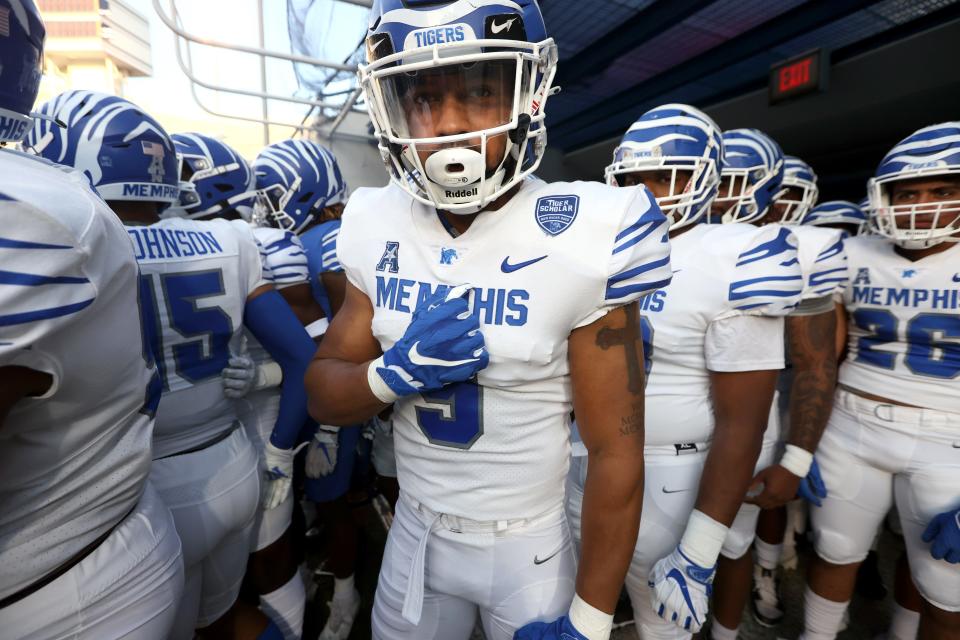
720,271
554,258
196,276
74,461
904,325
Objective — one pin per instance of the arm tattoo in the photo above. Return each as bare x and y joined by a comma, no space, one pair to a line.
629,337
811,344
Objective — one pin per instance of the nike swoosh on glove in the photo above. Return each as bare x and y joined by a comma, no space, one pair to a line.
680,590
278,474
322,453
442,345
812,489
944,532
559,629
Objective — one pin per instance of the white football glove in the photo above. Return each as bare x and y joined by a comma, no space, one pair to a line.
278,474
322,454
680,590
238,376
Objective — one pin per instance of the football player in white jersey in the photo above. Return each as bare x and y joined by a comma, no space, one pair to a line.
715,345
301,189
216,182
487,306
895,428
809,384
87,548
200,283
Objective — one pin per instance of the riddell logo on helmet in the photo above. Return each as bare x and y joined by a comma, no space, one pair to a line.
461,193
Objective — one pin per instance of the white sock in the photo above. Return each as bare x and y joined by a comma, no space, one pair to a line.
821,617
343,588
285,607
904,624
768,555
720,632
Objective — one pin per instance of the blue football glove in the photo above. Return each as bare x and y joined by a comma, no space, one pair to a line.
680,590
442,345
812,488
559,629
944,532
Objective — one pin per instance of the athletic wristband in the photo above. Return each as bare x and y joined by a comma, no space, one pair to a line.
703,539
269,375
796,460
589,621
378,387
318,328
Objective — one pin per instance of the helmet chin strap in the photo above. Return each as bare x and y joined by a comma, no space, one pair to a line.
457,175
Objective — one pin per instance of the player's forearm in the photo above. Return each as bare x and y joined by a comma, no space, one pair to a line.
812,353
612,500
339,393
729,468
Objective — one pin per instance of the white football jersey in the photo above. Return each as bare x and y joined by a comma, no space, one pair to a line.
720,271
73,462
556,257
903,336
285,265
196,276
822,260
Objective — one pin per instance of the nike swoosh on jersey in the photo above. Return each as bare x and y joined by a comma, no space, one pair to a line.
956,277
665,490
421,360
497,28
506,267
537,560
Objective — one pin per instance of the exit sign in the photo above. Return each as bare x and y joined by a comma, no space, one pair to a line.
799,76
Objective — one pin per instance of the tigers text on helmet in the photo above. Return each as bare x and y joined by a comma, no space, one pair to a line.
750,176
673,138
457,94
124,152
838,214
215,180
21,65
295,181
799,192
930,153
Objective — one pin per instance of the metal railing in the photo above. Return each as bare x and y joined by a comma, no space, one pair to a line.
182,37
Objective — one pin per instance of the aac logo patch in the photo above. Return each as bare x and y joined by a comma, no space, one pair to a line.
555,214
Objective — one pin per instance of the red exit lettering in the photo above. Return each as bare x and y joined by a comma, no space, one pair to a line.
796,75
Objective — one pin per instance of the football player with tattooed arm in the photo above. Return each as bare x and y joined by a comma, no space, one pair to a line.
487,306
715,342
894,433
809,385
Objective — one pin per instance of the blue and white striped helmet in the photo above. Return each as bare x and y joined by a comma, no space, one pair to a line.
490,62
751,175
215,180
798,176
124,152
674,137
21,63
930,152
839,214
296,180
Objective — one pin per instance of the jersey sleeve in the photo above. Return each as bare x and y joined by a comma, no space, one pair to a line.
349,228
829,273
44,282
329,260
255,271
286,259
744,343
766,278
639,261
